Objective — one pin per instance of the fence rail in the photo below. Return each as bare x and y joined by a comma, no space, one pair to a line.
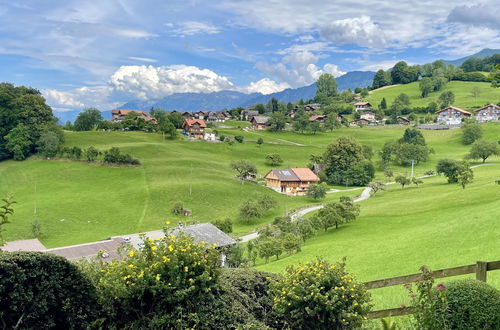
480,268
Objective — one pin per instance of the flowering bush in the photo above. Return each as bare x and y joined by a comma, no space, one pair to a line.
320,295
162,284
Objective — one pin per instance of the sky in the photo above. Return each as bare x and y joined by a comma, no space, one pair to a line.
104,53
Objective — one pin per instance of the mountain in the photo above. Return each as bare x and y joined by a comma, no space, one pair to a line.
231,99
483,53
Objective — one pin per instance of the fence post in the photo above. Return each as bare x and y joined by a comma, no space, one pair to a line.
481,270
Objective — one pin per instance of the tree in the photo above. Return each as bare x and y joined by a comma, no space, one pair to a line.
277,121
6,211
475,92
49,144
314,126
343,159
416,181
225,225
274,159
483,149
326,86
87,120
335,214
405,153
375,187
36,228
91,153
260,142
446,99
465,175
471,131
413,136
398,73
239,138
331,122
291,243
317,191
245,169
426,86
250,210
403,181
260,108
68,126
305,228
383,104
267,202
166,127
272,105
449,168
19,142
267,248
381,79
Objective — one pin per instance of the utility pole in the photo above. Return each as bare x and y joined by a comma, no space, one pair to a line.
412,164
191,181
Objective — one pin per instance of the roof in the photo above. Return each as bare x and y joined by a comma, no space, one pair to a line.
316,117
23,245
260,119
362,103
74,252
305,174
191,122
206,232
295,174
494,106
455,109
250,112
402,118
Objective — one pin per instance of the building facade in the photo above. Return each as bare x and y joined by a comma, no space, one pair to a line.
293,181
490,112
452,116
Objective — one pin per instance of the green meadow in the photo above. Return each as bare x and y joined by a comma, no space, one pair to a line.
462,89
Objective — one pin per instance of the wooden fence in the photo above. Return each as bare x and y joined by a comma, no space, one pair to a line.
480,268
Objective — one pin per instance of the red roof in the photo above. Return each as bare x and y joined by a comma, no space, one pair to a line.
455,109
122,112
494,106
305,174
191,122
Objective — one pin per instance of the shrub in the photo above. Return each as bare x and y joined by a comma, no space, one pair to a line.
177,208
42,291
317,191
320,295
239,138
472,305
273,159
225,225
471,132
114,156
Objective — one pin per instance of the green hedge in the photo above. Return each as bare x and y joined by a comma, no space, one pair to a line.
43,291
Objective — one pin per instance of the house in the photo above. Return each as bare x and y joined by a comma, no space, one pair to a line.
293,181
194,128
187,115
360,122
370,116
118,115
259,122
451,115
203,115
360,106
318,118
247,115
403,120
212,116
108,249
312,107
490,112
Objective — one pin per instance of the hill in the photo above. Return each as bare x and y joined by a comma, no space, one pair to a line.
483,53
462,90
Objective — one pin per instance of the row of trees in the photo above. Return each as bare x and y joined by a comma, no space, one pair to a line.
92,154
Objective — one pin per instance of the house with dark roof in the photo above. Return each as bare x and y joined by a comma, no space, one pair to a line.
451,116
292,181
318,118
361,106
118,115
259,122
194,128
206,233
490,112
247,115
108,249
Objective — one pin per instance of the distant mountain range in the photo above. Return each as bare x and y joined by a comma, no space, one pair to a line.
231,99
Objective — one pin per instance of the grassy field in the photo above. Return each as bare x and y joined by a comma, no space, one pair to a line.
437,224
462,90
77,202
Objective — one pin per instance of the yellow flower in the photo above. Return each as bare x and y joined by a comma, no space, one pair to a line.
141,274
167,222
131,266
158,277
153,247
186,269
172,236
131,253
170,248
166,259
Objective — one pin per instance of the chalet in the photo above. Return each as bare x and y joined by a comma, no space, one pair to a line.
360,106
212,116
490,112
403,120
312,107
318,118
187,115
451,116
247,115
203,115
293,181
361,122
259,122
194,128
118,115
370,116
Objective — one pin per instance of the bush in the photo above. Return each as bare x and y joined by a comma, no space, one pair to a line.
472,305
320,295
273,159
239,138
114,156
42,291
224,225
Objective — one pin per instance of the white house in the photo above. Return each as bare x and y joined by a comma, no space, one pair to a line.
370,116
451,116
360,106
490,112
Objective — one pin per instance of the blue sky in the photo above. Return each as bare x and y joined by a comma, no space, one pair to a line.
104,53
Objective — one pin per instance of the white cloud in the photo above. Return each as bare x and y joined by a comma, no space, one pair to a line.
264,86
150,82
83,97
142,59
60,99
481,15
359,30
193,27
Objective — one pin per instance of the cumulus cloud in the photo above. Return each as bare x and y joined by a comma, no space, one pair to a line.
61,99
150,82
358,30
190,28
264,86
83,97
481,15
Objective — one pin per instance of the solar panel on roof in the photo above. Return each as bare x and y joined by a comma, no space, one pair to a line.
286,172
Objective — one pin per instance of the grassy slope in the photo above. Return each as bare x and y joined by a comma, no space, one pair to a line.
437,224
461,89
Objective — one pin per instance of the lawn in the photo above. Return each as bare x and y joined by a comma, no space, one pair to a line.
462,90
78,203
437,224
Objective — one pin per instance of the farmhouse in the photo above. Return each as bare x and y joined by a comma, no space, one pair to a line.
194,128
259,122
360,106
118,115
490,112
318,118
293,181
312,107
402,120
451,115
247,115
370,116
